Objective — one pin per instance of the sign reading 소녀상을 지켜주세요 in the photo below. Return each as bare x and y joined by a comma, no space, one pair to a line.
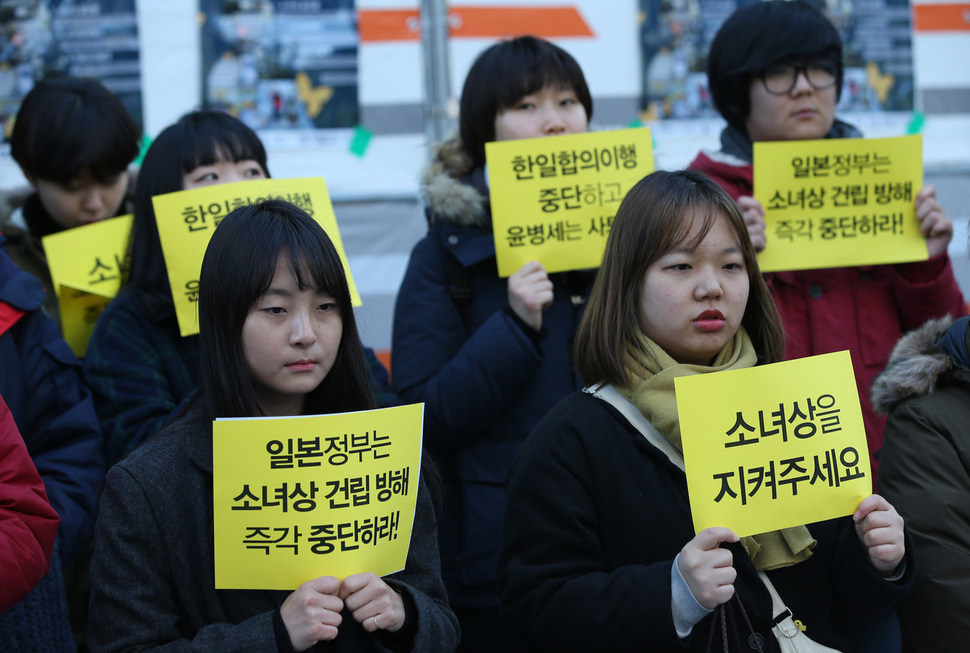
86,265
553,199
839,202
774,446
296,498
186,220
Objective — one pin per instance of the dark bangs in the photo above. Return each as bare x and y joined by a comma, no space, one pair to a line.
795,41
67,126
546,68
313,260
216,136
762,34
502,75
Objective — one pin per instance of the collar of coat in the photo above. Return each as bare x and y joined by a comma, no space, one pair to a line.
916,365
452,189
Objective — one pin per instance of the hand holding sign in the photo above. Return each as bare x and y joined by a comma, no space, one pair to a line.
530,293
754,219
845,202
707,568
311,614
933,223
373,603
880,530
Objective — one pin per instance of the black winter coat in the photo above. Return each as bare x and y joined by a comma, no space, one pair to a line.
596,516
485,377
153,573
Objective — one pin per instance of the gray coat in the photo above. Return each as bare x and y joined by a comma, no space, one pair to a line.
153,572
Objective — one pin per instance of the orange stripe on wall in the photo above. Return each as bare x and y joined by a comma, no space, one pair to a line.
389,25
489,22
475,22
941,18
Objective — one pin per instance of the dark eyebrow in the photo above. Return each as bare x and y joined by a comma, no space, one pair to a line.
691,250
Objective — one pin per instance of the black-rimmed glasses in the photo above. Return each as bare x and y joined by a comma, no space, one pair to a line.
781,79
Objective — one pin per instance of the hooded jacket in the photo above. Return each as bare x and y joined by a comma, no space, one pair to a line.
925,473
485,376
41,384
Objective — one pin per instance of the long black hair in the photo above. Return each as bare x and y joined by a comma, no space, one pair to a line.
199,138
239,265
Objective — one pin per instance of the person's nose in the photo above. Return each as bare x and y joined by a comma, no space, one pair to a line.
93,202
553,122
802,84
708,285
301,330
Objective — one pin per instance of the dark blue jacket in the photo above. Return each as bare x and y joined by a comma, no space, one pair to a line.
486,378
40,381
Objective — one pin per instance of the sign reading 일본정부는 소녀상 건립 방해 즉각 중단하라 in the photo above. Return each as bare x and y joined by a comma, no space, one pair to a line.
839,202
295,498
553,199
774,446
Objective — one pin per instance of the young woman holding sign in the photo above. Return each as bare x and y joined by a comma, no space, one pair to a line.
781,82
488,355
278,337
599,550
139,367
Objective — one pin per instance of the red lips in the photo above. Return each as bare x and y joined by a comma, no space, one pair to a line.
710,315
710,320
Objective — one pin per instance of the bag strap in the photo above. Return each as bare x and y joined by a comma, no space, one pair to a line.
783,620
608,393
777,605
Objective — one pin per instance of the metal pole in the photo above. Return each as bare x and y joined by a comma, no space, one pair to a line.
437,70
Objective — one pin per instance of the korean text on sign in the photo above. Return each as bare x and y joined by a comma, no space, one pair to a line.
301,497
774,446
87,264
186,220
839,202
553,199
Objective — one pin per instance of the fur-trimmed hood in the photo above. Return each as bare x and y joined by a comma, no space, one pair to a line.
452,189
915,366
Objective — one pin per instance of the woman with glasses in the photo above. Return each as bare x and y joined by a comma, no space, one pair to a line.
775,74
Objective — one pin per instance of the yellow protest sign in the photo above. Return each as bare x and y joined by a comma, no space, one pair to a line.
86,265
186,220
80,311
839,202
774,446
295,498
553,199
91,257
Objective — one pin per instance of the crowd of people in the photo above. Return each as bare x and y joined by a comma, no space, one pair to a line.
552,510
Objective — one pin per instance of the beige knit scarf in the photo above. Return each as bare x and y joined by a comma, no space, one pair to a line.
651,372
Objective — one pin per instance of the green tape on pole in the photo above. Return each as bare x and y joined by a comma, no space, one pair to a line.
361,140
915,125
